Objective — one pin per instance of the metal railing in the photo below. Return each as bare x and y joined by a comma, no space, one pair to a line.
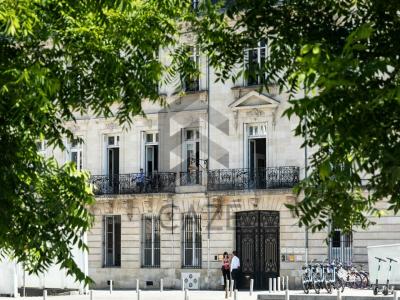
190,178
134,183
244,179
217,180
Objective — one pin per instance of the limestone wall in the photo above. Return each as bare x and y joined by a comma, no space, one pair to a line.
222,235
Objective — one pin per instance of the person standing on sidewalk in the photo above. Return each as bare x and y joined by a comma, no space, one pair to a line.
235,268
226,268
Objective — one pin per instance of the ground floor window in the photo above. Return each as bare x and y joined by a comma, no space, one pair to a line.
112,241
191,241
150,241
340,247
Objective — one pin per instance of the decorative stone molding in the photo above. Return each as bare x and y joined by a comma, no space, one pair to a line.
111,126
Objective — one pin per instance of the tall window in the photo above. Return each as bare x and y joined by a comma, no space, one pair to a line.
76,154
112,144
191,241
42,147
112,241
191,81
151,152
150,241
191,152
254,64
340,247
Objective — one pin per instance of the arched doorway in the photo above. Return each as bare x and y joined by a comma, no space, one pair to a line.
257,243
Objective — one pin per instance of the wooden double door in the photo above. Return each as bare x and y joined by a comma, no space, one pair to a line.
257,243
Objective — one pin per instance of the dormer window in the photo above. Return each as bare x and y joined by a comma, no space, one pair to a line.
254,64
191,82
41,147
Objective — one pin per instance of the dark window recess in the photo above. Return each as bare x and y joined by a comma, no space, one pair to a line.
112,241
149,283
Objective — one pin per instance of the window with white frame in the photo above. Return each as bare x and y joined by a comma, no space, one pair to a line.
340,247
257,130
112,154
191,241
195,4
254,64
191,81
150,241
41,147
151,151
76,154
112,241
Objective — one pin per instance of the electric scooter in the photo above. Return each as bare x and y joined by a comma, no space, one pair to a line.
376,287
385,290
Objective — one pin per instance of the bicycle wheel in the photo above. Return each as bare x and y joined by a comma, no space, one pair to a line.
357,283
317,284
328,287
339,284
305,284
365,279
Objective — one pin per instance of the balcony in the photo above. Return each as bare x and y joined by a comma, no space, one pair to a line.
134,183
247,179
217,180
190,178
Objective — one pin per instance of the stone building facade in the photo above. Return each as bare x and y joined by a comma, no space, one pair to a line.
209,172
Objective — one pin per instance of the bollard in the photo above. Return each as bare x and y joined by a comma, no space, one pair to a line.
137,285
287,282
186,295
274,284
270,285
339,295
44,294
278,284
138,294
283,283
395,295
287,296
161,285
235,295
91,294
251,286
231,287
111,287
183,285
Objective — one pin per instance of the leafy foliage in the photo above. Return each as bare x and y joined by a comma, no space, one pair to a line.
343,56
59,58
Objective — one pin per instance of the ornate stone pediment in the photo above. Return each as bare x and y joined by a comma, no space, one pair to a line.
254,100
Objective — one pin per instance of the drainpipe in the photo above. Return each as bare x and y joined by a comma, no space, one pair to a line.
305,177
207,168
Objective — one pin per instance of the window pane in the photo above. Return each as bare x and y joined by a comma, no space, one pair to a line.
149,138
117,220
189,134
74,158
336,239
111,140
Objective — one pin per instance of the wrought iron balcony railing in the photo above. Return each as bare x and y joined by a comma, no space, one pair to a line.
134,183
190,178
244,179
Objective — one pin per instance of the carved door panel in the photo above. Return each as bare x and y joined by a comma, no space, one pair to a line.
257,243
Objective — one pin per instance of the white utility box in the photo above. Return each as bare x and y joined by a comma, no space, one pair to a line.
384,251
